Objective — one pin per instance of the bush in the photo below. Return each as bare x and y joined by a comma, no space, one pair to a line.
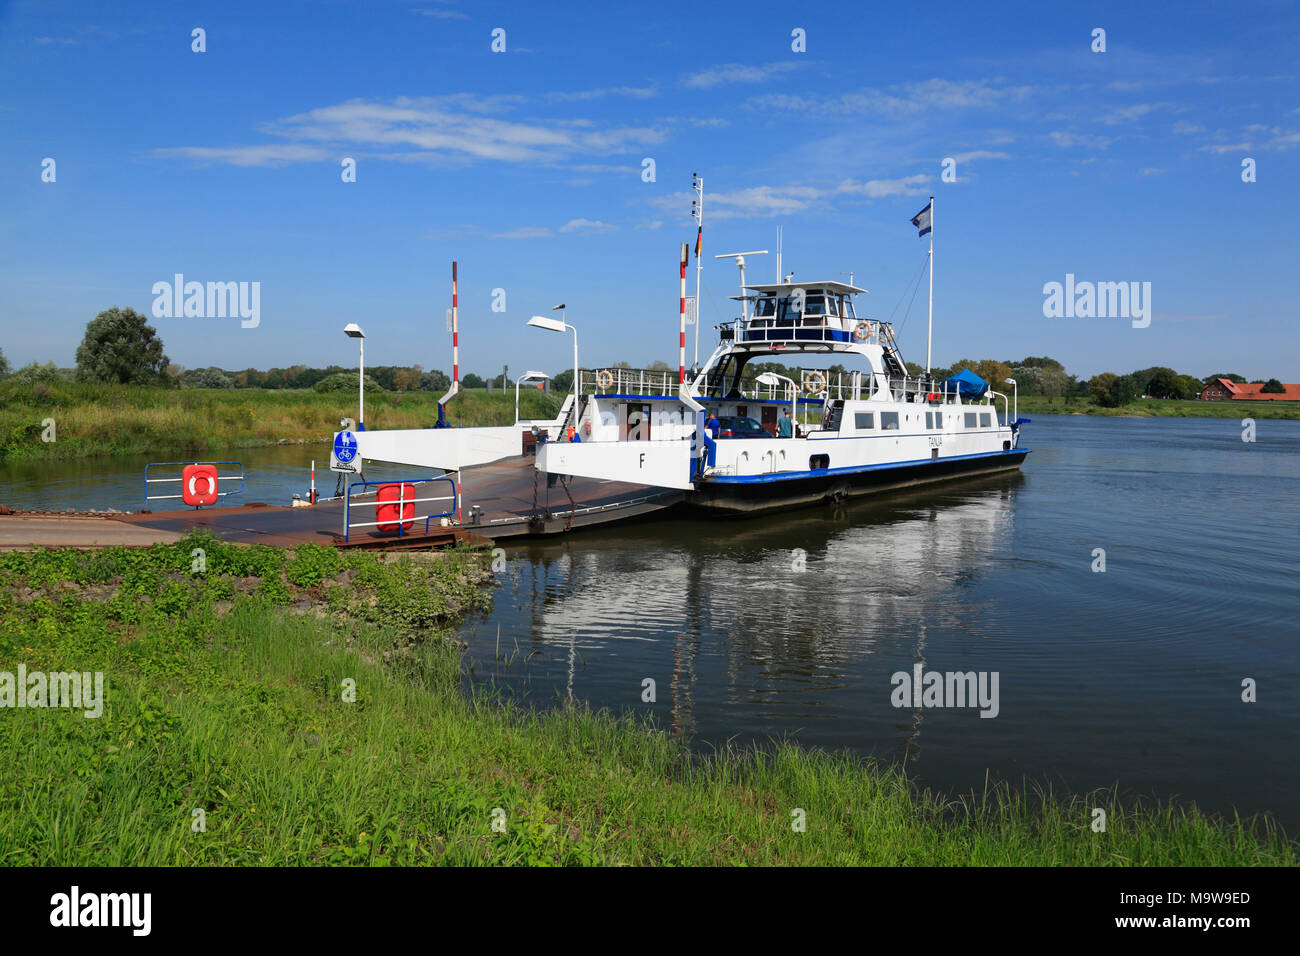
345,382
34,372
211,377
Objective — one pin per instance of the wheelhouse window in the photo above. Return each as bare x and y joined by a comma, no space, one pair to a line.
970,419
787,310
984,420
864,421
765,308
889,421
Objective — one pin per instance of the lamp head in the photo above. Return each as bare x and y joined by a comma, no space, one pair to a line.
353,331
545,322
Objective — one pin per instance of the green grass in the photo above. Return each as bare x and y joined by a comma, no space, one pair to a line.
1162,408
224,692
116,420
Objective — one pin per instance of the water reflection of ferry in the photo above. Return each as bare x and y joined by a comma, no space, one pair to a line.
877,577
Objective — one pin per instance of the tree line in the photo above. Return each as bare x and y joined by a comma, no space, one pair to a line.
120,347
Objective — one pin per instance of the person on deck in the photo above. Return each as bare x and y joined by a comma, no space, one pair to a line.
785,427
713,425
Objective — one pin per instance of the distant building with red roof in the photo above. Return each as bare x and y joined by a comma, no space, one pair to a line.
1226,390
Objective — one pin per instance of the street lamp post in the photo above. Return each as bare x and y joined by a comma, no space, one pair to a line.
353,331
541,375
772,378
559,325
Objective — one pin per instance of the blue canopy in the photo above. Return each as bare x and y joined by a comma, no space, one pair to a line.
967,384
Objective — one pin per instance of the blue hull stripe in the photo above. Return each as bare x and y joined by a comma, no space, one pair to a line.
853,469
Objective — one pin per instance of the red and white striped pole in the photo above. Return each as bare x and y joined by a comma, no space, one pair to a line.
455,329
681,366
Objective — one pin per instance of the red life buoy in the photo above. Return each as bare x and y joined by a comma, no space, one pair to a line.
199,485
392,496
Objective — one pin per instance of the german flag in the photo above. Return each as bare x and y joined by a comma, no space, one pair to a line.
699,241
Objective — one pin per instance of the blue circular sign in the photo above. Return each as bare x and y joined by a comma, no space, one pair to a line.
345,447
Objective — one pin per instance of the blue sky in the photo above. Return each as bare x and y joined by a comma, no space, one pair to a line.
526,166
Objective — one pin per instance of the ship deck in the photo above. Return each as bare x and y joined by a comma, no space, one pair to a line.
513,497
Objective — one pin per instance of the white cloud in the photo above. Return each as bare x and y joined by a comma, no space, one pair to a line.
735,73
586,226
276,154
1128,114
580,96
1227,148
979,154
903,99
879,188
426,129
524,232
1151,171
1185,128
761,202
1080,140
441,14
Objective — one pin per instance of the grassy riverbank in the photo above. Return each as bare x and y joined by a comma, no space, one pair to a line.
224,692
117,420
1160,408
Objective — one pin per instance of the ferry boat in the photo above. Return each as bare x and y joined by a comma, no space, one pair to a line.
873,428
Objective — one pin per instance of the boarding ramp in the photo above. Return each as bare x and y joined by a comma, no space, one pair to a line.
660,464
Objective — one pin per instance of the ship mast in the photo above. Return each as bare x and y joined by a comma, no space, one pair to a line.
697,211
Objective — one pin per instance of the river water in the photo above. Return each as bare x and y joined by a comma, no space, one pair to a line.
793,626
1130,676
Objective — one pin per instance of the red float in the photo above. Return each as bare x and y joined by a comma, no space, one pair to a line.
393,496
199,485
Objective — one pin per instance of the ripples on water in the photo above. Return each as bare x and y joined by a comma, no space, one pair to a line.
1132,675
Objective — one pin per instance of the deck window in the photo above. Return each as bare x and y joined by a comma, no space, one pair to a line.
765,308
984,419
863,421
889,421
970,419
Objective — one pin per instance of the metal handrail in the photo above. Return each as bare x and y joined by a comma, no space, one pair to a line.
185,464
401,503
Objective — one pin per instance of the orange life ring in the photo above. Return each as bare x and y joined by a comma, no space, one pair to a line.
862,331
199,485
604,379
814,382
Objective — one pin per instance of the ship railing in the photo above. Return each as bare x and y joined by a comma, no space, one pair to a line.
233,482
628,381
392,513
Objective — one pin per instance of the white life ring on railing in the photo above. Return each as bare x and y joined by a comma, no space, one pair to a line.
604,379
862,331
814,382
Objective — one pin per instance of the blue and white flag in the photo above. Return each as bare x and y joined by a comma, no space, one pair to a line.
922,219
